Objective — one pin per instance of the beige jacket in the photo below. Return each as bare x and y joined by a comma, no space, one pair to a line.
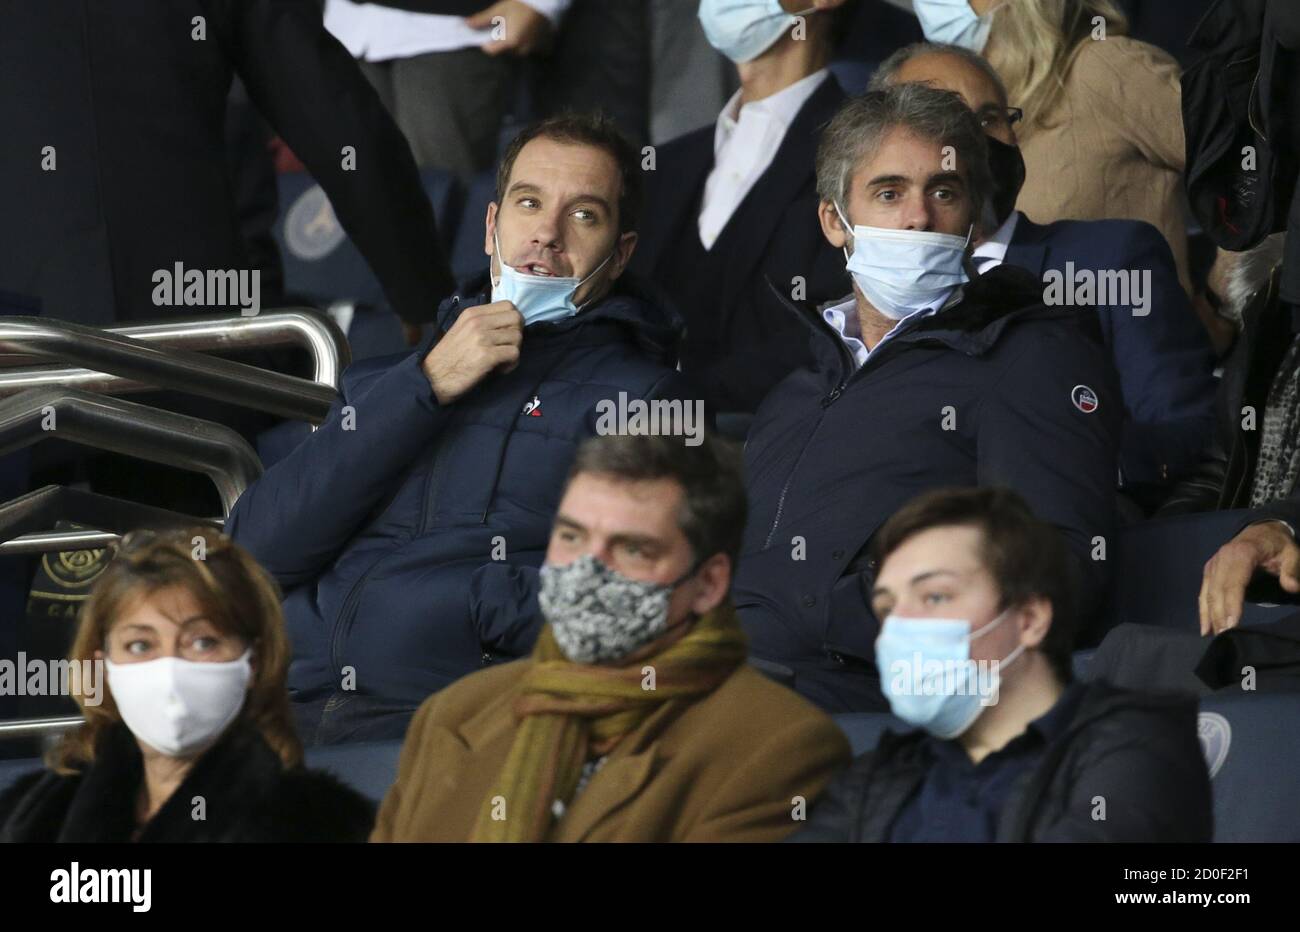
732,767
1114,148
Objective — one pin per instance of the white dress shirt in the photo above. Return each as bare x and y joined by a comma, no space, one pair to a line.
993,251
379,33
744,145
844,318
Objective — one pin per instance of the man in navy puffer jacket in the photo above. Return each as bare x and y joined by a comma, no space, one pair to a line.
400,529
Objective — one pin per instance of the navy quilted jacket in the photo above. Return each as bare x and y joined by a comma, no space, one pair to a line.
386,526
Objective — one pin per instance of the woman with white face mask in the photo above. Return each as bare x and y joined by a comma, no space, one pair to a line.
187,734
973,594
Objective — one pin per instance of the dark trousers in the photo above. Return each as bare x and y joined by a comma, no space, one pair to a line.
343,717
450,105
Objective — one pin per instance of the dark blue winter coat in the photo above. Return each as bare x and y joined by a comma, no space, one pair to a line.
386,527
997,390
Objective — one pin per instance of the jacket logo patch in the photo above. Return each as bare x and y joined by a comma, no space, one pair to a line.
533,408
1084,398
1216,737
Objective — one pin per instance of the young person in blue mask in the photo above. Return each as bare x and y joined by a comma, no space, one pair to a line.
404,528
926,375
975,653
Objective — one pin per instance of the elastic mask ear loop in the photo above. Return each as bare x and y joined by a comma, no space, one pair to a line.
589,277
848,228
496,245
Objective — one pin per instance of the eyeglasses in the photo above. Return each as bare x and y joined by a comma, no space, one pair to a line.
1009,116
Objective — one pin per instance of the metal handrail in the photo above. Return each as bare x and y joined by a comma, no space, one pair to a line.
305,327
133,430
166,368
38,727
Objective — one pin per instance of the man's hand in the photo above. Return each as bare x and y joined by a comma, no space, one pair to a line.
1268,546
482,340
526,31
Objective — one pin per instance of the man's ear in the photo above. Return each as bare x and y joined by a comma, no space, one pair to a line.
490,229
714,582
623,249
832,226
1034,618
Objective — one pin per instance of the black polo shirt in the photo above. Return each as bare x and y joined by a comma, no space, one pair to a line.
959,800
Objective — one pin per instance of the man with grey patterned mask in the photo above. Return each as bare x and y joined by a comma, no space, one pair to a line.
621,572
635,717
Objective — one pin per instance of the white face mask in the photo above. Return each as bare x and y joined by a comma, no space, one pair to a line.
179,707
902,272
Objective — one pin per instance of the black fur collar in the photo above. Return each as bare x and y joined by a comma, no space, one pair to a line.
237,791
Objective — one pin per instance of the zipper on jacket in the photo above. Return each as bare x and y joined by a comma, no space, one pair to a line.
343,622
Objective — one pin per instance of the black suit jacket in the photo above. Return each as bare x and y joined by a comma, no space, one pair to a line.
134,105
740,342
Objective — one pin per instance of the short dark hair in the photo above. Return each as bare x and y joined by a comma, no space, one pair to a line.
585,129
714,505
1025,555
858,129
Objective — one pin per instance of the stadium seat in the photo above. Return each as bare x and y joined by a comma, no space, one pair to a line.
1158,570
863,729
321,265
11,770
1250,745
446,197
467,258
369,768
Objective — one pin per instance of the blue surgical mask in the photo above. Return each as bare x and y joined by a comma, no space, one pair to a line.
928,677
538,297
745,29
953,22
903,272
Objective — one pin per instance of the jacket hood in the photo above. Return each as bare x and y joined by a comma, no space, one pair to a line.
633,305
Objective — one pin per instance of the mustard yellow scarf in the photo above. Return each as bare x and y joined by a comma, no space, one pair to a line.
571,712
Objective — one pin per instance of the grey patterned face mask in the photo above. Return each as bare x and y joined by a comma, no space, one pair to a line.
597,614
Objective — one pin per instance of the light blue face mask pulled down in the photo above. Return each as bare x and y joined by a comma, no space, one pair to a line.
538,297
903,272
944,698
953,22
745,29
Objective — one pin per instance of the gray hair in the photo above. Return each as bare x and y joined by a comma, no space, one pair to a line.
855,133
887,73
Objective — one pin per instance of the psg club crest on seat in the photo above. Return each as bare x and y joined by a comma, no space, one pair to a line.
533,408
1084,398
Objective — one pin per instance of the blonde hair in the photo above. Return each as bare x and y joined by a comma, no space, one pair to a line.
235,594
1034,44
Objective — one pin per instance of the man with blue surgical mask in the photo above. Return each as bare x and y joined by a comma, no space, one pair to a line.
1004,744
926,375
406,529
1158,345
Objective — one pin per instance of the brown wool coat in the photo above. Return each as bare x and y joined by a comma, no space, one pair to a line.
1115,147
727,769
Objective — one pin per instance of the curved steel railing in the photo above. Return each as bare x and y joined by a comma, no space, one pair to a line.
133,360
133,430
305,327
